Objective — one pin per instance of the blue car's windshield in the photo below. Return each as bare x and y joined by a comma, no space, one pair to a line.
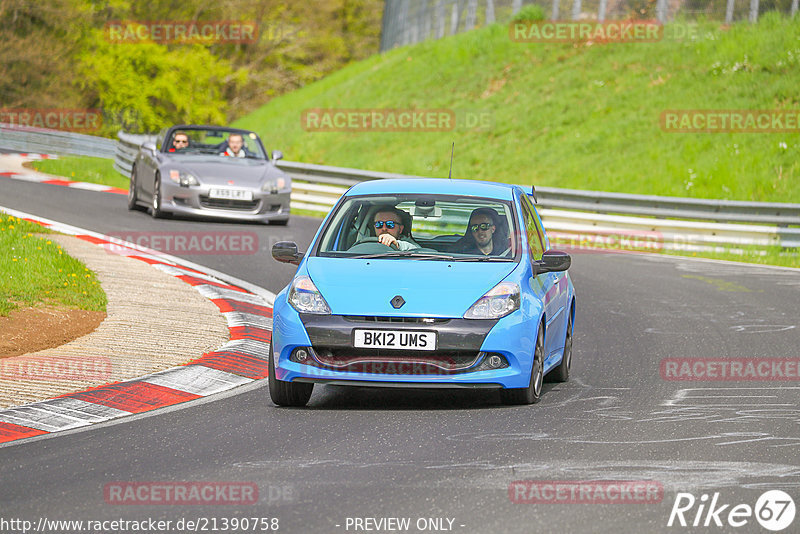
218,142
422,227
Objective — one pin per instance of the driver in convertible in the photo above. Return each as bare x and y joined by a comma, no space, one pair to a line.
389,229
179,141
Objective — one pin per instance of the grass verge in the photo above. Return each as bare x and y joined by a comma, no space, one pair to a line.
771,256
573,115
34,269
83,169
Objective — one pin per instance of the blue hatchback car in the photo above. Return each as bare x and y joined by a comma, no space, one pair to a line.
425,283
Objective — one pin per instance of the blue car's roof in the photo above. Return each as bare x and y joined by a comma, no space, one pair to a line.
440,186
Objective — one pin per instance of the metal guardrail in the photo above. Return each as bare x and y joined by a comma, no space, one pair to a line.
126,150
680,223
687,223
26,139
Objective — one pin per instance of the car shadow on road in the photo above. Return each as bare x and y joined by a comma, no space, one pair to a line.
382,398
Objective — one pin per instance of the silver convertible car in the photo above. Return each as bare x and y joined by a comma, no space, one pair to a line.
210,171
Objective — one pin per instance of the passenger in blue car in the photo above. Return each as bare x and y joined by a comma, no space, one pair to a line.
390,231
485,234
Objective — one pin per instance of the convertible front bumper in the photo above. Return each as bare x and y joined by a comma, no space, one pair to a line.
195,201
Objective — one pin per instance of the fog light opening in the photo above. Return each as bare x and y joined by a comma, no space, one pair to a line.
495,361
300,355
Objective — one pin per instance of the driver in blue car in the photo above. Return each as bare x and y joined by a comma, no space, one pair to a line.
390,230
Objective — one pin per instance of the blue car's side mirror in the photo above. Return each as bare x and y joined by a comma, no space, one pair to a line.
553,261
286,252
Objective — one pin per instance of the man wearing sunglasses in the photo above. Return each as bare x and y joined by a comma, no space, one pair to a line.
389,229
179,141
481,232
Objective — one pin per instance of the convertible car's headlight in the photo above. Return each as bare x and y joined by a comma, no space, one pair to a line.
274,185
498,302
306,298
185,179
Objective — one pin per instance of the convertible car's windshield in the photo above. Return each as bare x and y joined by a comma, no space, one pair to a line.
422,226
217,141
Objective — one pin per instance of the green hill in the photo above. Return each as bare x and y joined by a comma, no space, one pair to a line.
583,116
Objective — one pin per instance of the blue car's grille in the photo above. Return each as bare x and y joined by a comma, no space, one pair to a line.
375,319
377,361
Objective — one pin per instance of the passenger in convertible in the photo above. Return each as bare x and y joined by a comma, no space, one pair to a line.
236,147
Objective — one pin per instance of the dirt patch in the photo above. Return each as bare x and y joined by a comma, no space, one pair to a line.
44,327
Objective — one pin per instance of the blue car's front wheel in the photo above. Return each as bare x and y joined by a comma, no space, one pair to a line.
533,393
287,393
561,373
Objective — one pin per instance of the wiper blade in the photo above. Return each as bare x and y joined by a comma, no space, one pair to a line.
484,258
405,254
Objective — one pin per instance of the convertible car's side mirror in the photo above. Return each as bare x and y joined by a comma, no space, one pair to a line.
553,261
276,155
149,146
286,252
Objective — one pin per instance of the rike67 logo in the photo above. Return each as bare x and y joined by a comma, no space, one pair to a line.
774,510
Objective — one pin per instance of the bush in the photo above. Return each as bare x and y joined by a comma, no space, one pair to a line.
530,13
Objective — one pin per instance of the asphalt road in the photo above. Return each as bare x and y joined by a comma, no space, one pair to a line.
380,453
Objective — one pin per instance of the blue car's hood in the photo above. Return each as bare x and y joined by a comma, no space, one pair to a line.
429,288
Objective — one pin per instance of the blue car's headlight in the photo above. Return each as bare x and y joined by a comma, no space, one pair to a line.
498,302
306,298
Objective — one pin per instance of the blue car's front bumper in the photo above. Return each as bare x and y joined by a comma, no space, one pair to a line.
511,337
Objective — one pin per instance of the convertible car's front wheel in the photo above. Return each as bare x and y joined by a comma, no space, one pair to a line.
287,393
533,393
155,208
132,190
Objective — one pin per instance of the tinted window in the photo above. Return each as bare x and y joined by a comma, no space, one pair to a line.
448,226
532,229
